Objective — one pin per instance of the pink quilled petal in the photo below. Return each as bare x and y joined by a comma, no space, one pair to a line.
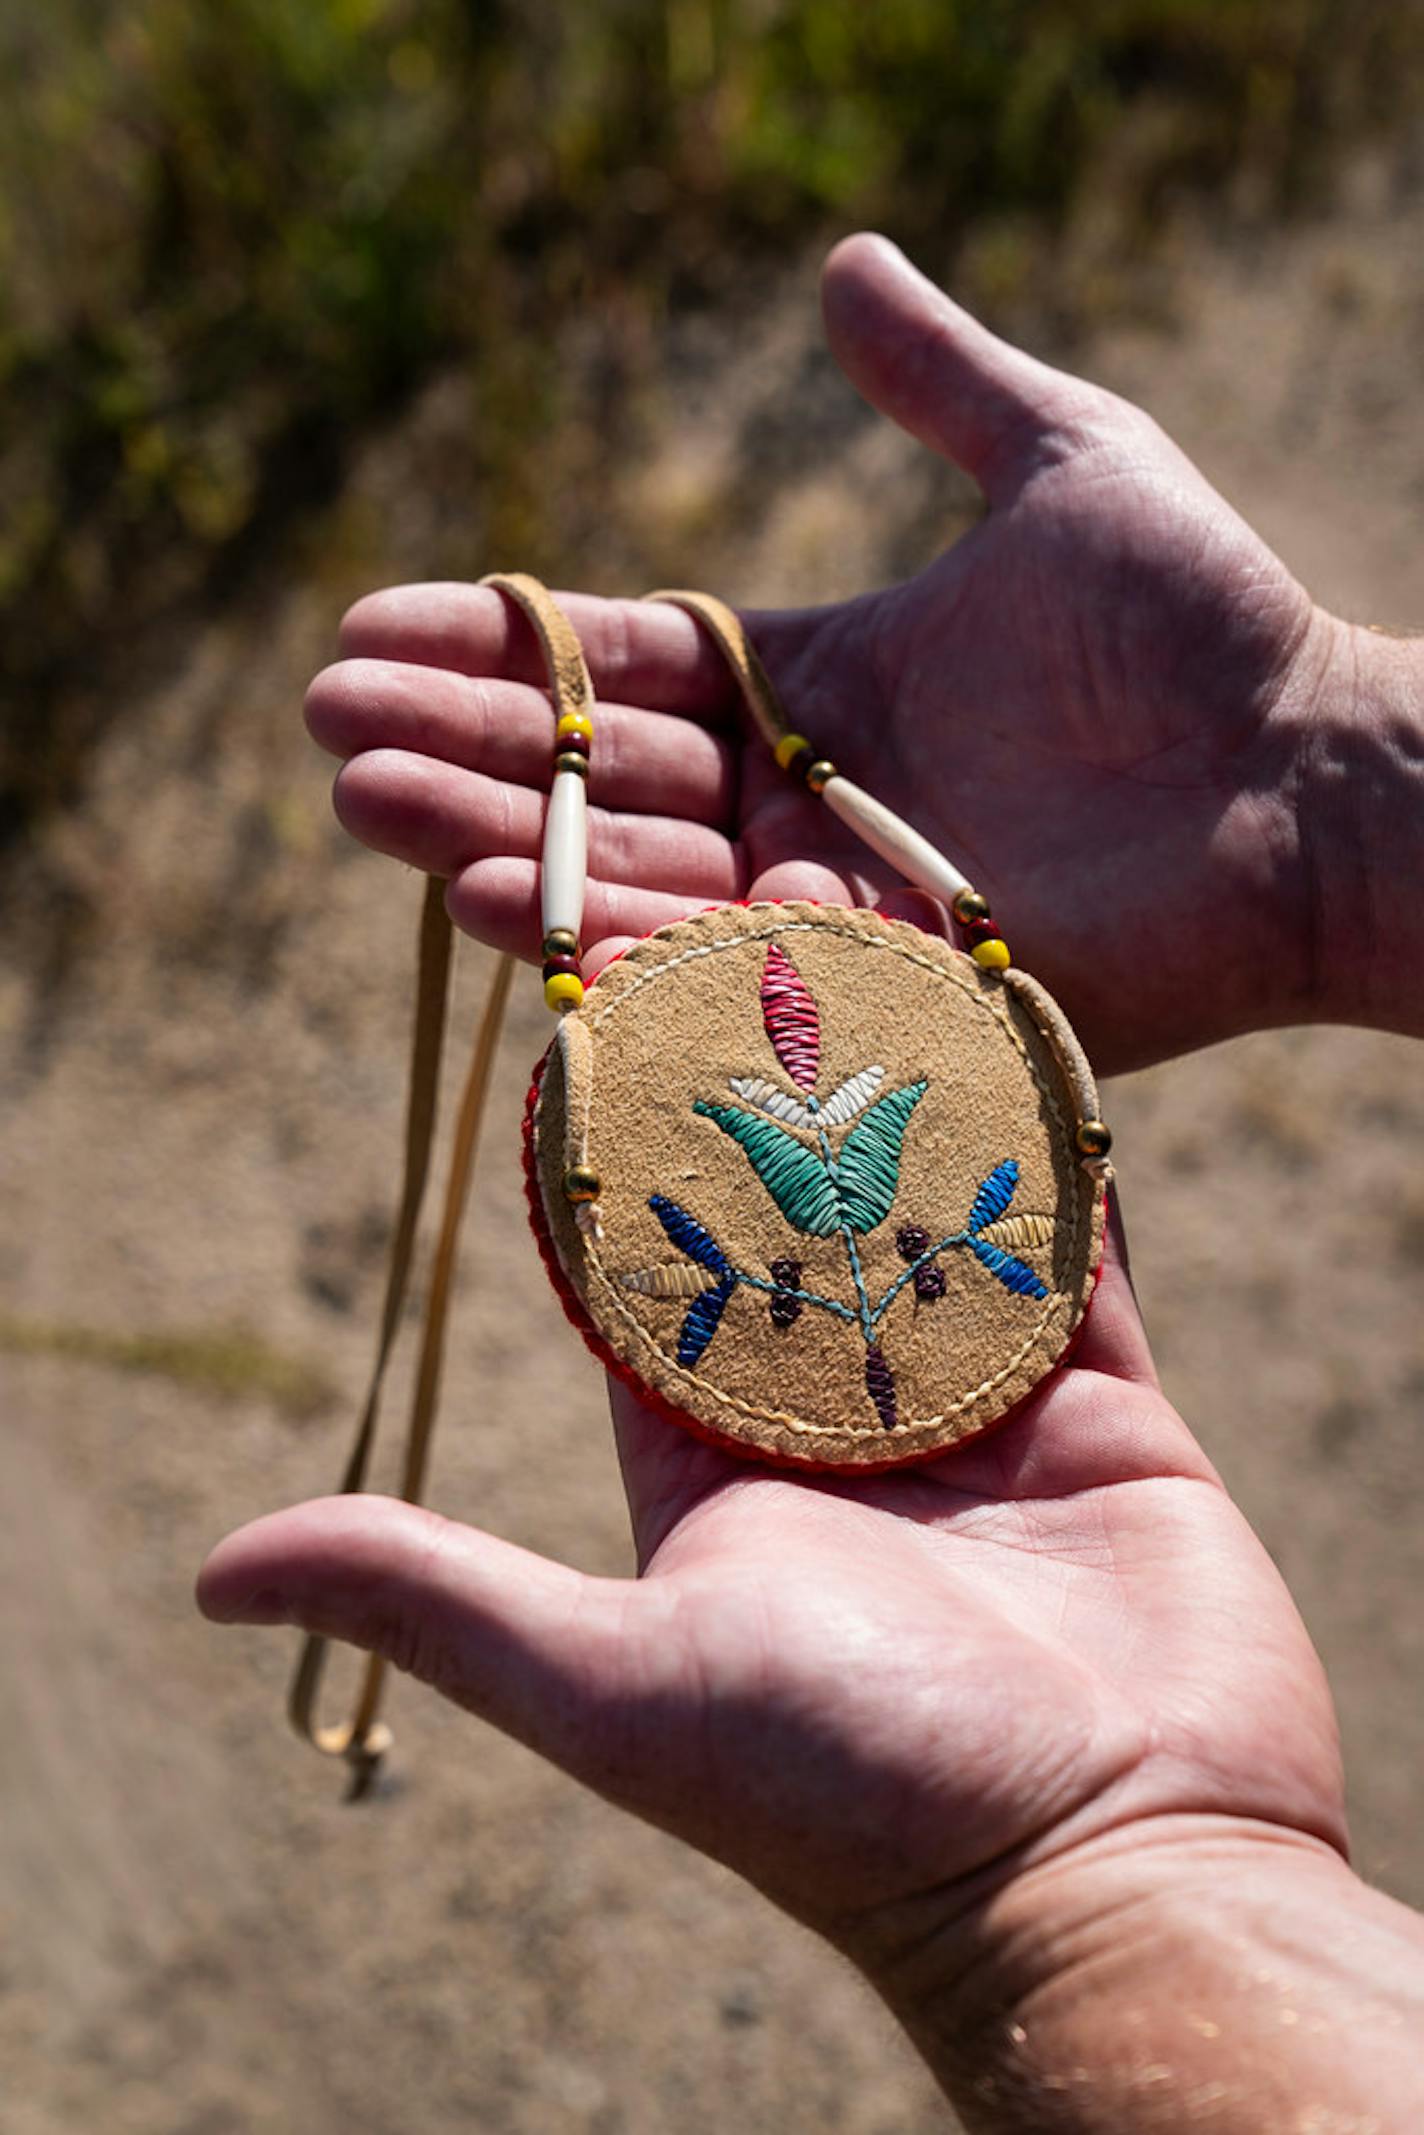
790,1016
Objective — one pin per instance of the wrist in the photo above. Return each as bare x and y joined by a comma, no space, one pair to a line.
1360,803
1192,1967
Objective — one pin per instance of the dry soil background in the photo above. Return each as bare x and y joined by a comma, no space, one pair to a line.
198,1137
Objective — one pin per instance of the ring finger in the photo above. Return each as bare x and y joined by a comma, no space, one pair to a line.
439,817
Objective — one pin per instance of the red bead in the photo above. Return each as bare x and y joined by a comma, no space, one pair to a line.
575,743
555,964
975,930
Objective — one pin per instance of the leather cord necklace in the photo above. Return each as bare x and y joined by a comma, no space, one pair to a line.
747,1264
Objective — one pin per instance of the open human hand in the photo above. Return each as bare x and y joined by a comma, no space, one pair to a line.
876,1698
973,1720
1099,702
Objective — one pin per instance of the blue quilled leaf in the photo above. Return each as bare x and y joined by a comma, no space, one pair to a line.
994,1195
688,1235
1012,1273
792,1174
703,1317
868,1167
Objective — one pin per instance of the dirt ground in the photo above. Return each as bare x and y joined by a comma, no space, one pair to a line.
198,1139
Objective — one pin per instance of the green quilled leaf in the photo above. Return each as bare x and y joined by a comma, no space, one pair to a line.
868,1167
867,1171
793,1175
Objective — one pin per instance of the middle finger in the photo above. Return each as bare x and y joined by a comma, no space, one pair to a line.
646,762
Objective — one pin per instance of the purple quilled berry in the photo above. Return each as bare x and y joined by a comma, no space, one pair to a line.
911,1241
929,1284
785,1309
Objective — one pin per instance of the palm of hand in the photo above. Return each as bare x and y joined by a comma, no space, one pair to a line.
868,1695
855,1692
1094,702
1072,701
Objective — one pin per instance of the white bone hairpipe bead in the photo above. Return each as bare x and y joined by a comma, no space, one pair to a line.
886,834
563,871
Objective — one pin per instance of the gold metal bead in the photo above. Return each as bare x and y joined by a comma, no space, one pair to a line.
819,774
560,941
970,905
570,760
1093,1138
582,1184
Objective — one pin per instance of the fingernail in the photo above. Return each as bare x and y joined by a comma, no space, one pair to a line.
264,1606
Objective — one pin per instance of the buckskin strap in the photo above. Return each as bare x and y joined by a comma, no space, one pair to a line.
740,654
363,1741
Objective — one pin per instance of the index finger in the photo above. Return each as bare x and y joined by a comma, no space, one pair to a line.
644,653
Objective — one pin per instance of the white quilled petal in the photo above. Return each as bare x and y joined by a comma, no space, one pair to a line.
767,1098
1016,1232
853,1096
674,1278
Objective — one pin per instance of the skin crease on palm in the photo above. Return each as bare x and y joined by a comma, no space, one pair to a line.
875,1693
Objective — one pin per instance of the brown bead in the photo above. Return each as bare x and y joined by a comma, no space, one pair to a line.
802,761
970,905
554,964
582,1184
819,774
560,942
1093,1138
569,760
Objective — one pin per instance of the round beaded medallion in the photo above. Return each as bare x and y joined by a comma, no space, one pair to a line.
810,1178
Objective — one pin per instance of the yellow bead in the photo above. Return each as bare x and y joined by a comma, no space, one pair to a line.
787,747
563,992
991,955
573,723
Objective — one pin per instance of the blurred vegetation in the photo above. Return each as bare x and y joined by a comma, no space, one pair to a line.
231,1364
236,239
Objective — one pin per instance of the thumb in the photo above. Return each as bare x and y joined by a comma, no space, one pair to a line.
548,1654
934,370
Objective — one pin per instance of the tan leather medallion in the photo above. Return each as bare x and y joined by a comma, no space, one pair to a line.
832,1210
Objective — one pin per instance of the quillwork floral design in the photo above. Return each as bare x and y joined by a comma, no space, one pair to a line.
832,1166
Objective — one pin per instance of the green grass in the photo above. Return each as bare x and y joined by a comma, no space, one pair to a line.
235,239
228,1364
